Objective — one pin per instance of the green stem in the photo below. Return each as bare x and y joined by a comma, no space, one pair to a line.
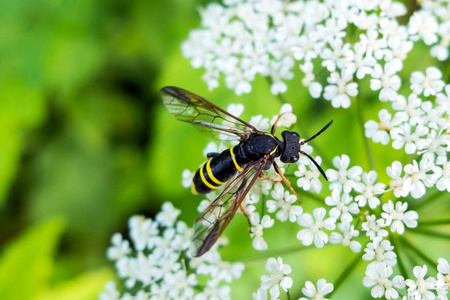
400,262
432,233
263,205
359,112
273,253
435,196
288,295
352,265
313,196
418,252
434,222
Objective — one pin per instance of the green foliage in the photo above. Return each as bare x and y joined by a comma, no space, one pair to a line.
26,264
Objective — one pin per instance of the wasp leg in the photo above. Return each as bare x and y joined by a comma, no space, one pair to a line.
212,154
267,178
286,181
274,126
242,208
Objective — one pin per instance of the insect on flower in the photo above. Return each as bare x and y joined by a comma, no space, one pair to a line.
237,168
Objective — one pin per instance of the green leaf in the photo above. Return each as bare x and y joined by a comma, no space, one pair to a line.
86,286
27,263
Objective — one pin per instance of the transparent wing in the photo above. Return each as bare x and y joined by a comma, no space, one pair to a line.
216,217
191,108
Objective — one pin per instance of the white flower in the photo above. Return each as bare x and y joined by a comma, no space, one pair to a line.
278,272
443,278
187,177
379,131
119,249
311,292
359,60
143,232
314,233
397,216
433,115
159,264
386,81
284,204
260,294
377,275
423,25
418,177
402,136
444,99
343,178
442,177
341,88
374,227
110,292
375,46
259,122
168,215
280,70
408,110
395,172
421,287
309,178
344,206
381,251
315,89
369,189
335,55
213,291
429,84
348,233
181,286
257,230
307,68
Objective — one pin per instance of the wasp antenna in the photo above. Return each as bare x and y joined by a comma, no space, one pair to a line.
315,163
320,131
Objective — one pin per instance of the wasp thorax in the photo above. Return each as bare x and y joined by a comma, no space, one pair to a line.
291,146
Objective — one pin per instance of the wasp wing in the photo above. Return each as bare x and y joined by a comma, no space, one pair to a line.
216,217
191,108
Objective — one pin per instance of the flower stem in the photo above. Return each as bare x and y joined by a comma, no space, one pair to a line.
352,265
435,196
274,253
418,252
359,112
400,263
263,205
432,233
434,222
288,295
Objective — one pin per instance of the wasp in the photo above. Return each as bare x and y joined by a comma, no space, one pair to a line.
237,168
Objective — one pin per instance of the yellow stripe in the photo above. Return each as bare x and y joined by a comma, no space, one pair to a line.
193,190
273,150
238,167
208,169
204,180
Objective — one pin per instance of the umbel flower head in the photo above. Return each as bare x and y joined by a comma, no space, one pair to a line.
157,261
348,52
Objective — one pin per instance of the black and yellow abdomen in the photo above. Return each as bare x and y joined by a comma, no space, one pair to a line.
217,170
220,168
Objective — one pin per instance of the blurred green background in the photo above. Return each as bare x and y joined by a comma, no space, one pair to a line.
85,141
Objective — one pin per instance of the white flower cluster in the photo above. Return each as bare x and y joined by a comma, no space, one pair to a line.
420,127
158,265
378,275
278,278
244,38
